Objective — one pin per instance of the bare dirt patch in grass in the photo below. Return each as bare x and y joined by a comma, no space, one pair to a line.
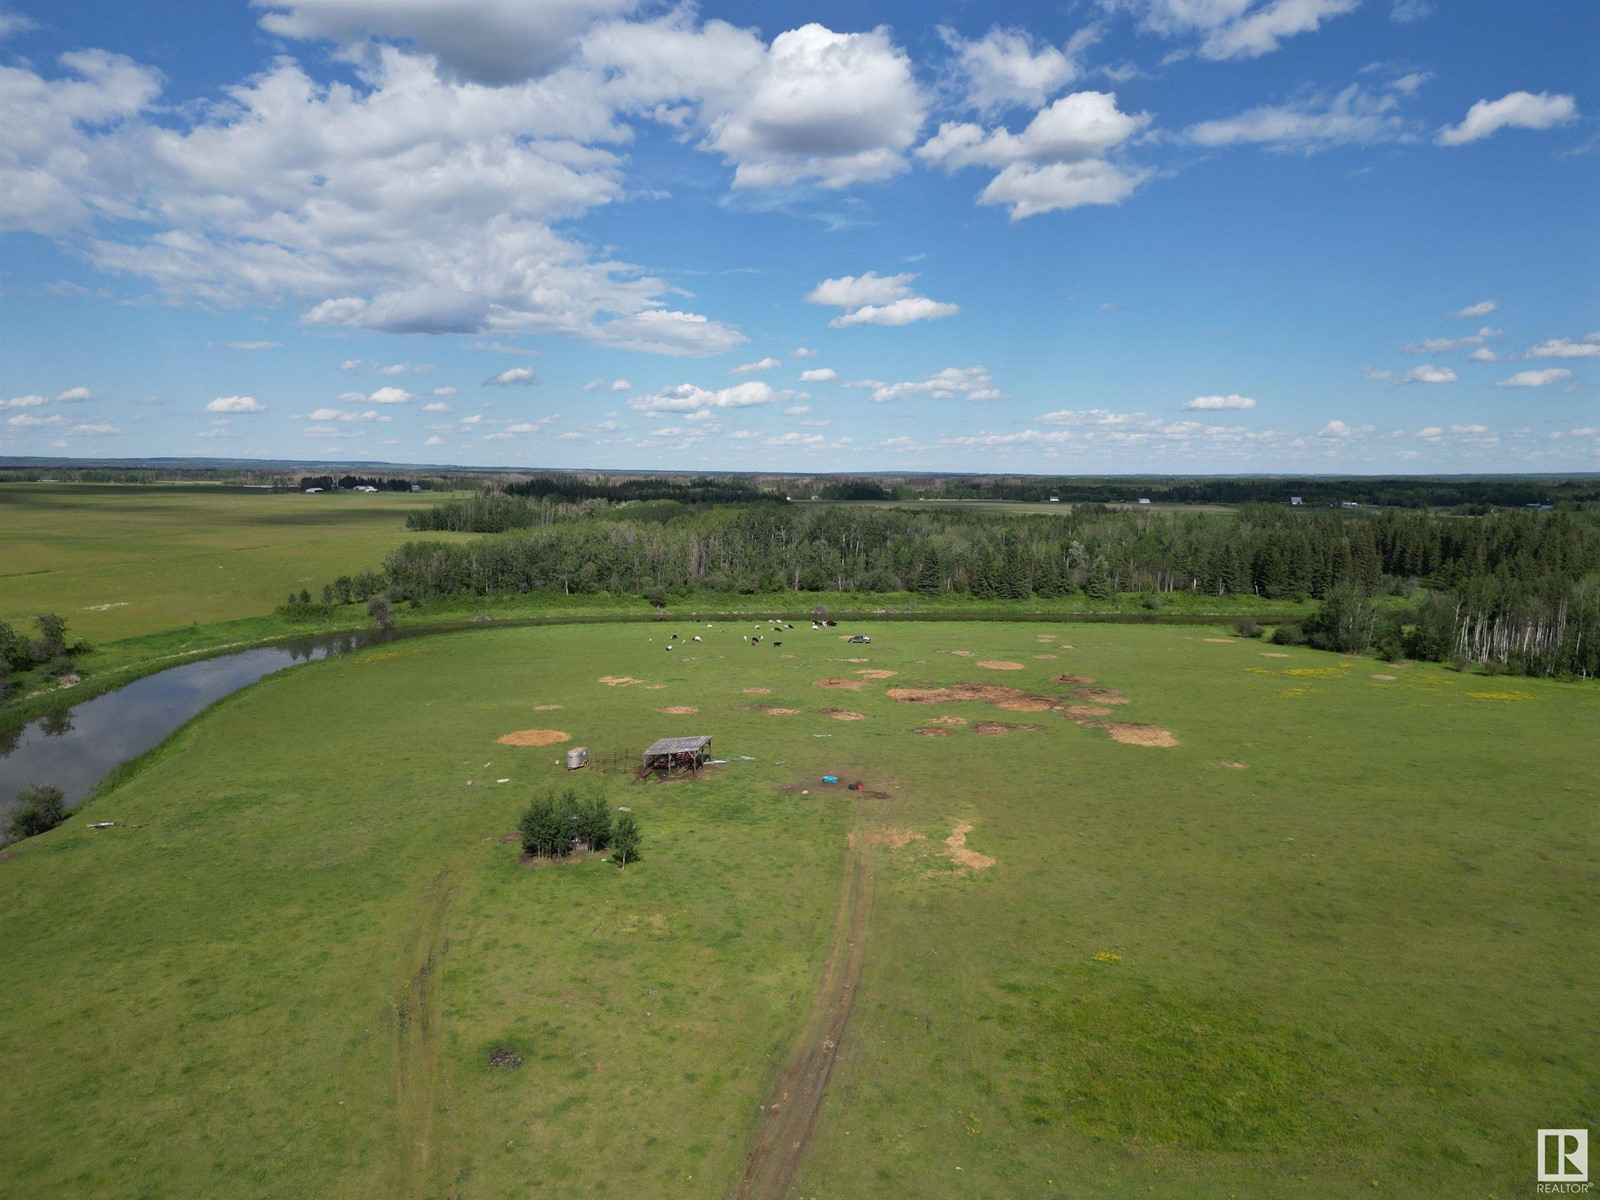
1218,641
1130,734
948,721
1044,637
758,691
1000,664
1084,712
1231,765
1045,657
680,710
894,839
1074,680
877,674
848,685
929,731
984,693
960,653
534,737
955,849
546,707
773,712
843,714
1273,654
619,680
1000,728
504,1059
1099,695
1385,678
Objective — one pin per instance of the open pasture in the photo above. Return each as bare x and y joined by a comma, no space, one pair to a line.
1333,933
117,561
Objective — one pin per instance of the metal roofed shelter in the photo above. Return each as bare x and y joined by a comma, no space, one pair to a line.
671,755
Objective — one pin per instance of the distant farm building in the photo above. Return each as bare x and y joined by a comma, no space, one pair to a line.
670,756
310,490
1144,500
1055,499
1297,501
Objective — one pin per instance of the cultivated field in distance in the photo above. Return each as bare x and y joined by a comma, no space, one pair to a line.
118,561
1118,910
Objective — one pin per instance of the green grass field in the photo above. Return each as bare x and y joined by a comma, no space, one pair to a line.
1338,940
122,561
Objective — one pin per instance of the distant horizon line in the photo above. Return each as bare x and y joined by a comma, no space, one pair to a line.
25,462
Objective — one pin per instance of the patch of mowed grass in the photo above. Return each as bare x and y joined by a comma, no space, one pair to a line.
1365,955
122,561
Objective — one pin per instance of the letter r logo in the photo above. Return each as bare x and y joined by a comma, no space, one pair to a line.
1563,1156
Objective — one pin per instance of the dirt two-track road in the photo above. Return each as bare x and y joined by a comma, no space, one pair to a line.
791,1114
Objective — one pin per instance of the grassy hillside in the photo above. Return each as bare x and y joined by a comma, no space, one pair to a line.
1337,935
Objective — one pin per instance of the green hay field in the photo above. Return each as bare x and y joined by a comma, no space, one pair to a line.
1340,939
122,561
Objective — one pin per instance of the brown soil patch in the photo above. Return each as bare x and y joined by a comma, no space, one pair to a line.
758,691
790,1117
1231,765
680,710
877,674
619,680
1273,654
843,714
1000,728
546,707
504,1059
928,731
774,712
955,849
999,664
658,687
1140,735
948,721
1099,695
1074,680
850,660
895,839
848,685
1044,637
534,737
1045,657
1219,641
1082,712
1385,678
960,653
1028,704
984,693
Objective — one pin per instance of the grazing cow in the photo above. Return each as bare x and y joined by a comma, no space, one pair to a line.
777,643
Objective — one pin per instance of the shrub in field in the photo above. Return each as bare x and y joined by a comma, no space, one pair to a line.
380,612
625,840
557,822
40,808
1246,627
1288,635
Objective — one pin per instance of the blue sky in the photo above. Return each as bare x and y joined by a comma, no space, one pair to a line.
1108,236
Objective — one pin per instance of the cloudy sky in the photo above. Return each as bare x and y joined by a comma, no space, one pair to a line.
1084,236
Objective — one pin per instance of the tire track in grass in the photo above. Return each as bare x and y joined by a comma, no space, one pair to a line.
415,1020
790,1116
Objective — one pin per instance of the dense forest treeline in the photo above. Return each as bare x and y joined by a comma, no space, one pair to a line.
1516,588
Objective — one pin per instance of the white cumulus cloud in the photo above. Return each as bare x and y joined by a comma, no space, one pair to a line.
1207,403
874,299
512,377
819,375
235,404
1536,378
1589,347
1517,110
687,398
1428,373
